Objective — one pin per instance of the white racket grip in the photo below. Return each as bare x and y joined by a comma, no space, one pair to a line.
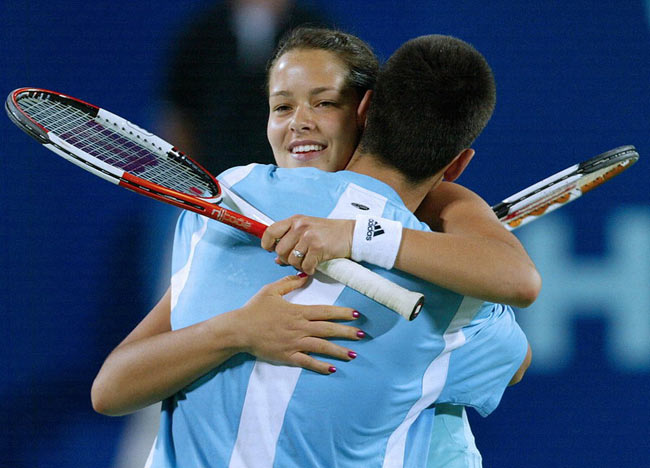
406,303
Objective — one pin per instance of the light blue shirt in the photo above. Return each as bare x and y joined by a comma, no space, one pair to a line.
249,413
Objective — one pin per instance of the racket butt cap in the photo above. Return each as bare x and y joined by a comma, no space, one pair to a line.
416,309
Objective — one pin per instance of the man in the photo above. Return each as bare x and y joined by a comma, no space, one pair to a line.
432,100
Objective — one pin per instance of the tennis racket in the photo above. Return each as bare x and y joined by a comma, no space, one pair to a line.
123,153
563,187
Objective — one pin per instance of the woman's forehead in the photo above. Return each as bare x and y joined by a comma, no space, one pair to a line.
309,64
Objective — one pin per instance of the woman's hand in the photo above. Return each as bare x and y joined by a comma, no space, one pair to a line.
276,330
316,239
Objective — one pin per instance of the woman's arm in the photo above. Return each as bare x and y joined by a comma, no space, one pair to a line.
469,251
154,362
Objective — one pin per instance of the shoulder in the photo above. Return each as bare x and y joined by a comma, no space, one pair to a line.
451,201
448,194
187,224
236,174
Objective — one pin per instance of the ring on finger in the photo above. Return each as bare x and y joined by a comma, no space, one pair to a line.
298,253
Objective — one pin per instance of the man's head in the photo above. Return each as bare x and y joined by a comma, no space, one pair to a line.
432,99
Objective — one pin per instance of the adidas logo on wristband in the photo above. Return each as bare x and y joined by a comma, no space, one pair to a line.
376,240
374,229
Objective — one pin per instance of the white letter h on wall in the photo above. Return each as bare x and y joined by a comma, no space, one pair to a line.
615,286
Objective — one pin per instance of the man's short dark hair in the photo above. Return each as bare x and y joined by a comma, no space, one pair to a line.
432,98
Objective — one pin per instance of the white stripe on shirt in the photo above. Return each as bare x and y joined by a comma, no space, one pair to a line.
433,381
179,279
270,386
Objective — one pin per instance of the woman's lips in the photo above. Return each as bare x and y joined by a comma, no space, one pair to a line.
306,153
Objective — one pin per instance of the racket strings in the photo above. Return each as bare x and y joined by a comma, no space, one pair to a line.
53,115
103,140
148,163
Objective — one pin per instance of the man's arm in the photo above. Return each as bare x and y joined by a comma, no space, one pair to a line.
154,362
469,248
469,251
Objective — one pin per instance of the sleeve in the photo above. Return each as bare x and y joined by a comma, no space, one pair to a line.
452,442
480,370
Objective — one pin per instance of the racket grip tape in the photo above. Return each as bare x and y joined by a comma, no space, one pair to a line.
406,303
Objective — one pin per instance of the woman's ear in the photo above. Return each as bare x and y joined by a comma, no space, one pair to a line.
458,165
362,109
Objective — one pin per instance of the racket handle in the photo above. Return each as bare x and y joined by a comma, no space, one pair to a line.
406,303
236,220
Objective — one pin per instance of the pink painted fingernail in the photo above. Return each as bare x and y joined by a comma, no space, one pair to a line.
302,274
356,314
352,354
361,334
332,369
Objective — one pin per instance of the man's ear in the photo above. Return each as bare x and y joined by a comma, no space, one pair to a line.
362,110
458,165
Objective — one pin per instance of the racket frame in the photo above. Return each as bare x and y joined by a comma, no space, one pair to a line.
563,187
207,206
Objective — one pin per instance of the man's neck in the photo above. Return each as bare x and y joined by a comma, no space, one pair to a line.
411,193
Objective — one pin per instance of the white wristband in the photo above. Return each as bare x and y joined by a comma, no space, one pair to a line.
376,240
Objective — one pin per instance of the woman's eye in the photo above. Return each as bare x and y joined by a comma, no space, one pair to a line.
281,108
326,104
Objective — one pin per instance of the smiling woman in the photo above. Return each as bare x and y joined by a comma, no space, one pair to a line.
319,88
319,84
315,119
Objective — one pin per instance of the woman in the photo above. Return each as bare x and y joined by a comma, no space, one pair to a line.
320,117
164,361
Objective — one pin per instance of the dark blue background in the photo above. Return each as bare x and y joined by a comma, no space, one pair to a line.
573,81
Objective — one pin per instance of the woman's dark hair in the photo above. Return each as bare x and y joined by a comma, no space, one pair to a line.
357,55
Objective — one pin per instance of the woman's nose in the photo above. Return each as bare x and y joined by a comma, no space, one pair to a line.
302,120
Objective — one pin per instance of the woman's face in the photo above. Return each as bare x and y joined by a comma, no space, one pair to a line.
312,113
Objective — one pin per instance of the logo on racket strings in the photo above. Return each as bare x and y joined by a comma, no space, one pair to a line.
374,229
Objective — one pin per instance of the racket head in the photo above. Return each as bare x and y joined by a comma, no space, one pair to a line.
25,121
598,170
121,152
564,187
102,140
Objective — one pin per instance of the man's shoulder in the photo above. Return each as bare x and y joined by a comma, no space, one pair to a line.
303,189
